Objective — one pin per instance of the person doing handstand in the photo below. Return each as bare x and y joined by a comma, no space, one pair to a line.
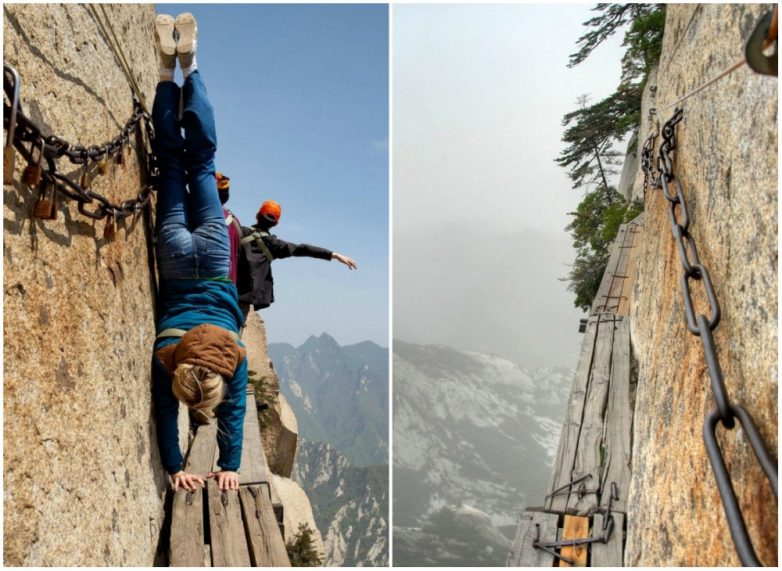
197,358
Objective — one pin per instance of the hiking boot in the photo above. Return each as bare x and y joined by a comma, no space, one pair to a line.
187,32
164,40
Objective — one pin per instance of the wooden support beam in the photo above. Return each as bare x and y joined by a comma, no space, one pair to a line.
568,441
187,522
266,545
522,554
575,527
590,440
609,554
619,421
229,545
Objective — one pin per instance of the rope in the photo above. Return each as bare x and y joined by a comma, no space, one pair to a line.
119,54
679,41
703,86
129,69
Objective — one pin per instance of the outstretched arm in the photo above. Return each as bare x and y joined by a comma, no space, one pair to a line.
345,260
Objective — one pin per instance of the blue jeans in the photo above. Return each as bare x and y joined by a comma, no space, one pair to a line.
192,239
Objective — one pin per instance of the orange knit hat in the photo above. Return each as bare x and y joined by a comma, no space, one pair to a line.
270,210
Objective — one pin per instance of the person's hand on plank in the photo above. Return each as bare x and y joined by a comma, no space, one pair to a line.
226,480
187,481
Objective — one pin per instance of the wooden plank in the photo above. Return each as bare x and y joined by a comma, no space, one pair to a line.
522,554
229,546
630,265
602,303
267,548
253,467
568,441
187,525
590,440
609,554
616,272
575,527
619,420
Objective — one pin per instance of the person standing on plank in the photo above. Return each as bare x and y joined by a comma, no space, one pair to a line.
197,357
231,222
260,248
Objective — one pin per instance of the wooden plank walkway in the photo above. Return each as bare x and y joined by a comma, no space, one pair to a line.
591,474
532,526
187,519
568,441
239,528
608,554
613,295
590,447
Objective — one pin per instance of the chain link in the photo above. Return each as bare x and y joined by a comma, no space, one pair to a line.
28,140
702,326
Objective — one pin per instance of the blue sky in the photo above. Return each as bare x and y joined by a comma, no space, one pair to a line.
301,103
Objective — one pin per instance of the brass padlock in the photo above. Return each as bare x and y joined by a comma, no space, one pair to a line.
45,206
84,180
103,165
9,162
32,172
110,231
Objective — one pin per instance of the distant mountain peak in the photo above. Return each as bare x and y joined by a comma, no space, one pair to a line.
324,341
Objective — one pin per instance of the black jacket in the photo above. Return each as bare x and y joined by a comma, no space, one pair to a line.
254,281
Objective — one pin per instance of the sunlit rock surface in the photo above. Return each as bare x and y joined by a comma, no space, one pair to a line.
726,159
83,482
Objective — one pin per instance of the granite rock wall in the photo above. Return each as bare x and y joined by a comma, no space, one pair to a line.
280,433
83,480
727,162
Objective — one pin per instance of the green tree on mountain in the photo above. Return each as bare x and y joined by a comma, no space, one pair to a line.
301,549
592,129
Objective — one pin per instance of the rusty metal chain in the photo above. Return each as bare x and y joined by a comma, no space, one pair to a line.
43,151
700,325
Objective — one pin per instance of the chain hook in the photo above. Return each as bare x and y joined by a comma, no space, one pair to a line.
763,37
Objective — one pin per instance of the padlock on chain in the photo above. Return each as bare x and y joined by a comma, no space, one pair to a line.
33,171
84,179
110,230
45,205
9,162
103,165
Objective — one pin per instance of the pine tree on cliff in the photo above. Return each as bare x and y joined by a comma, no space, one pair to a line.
301,550
593,129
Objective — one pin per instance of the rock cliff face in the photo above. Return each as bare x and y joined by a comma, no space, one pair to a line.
297,510
727,162
80,459
280,430
351,504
